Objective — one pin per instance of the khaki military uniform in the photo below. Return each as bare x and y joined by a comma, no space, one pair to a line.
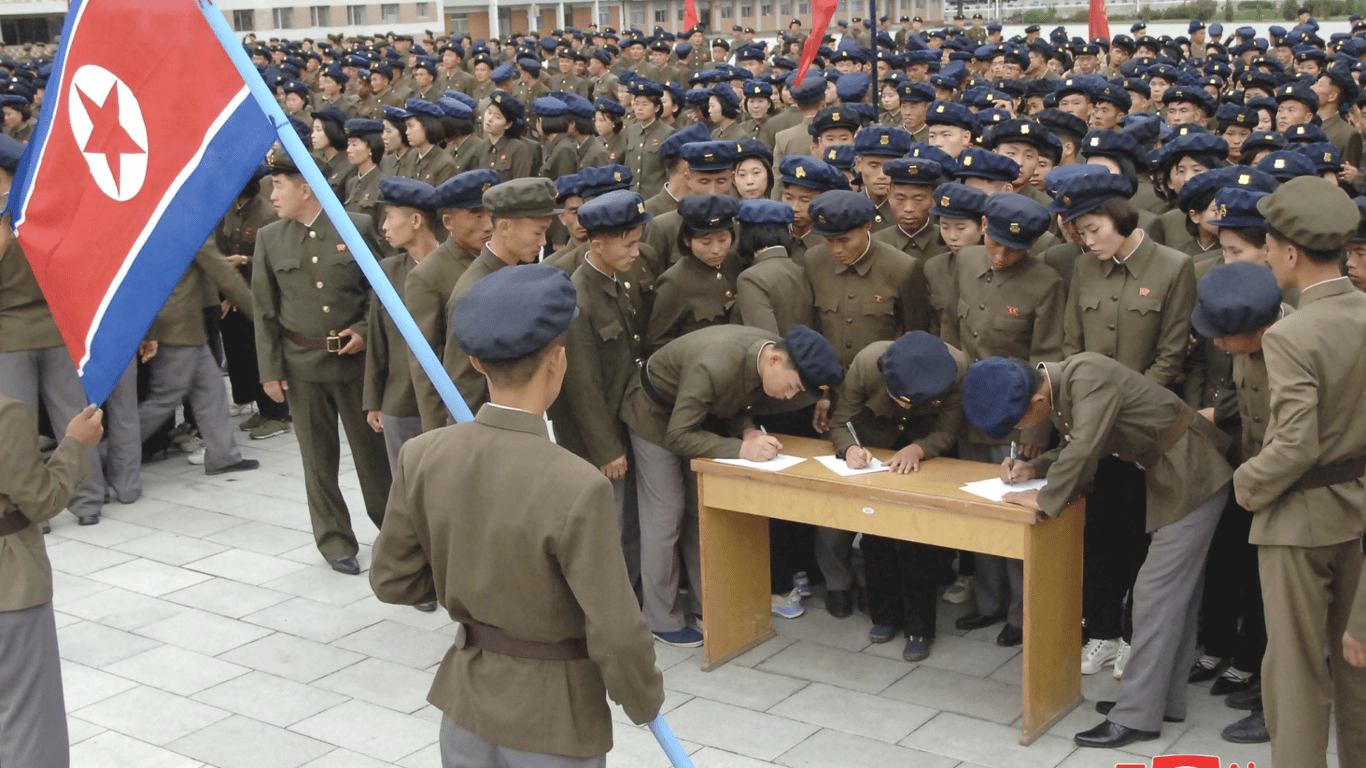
471,383
362,196
434,167
941,281
736,131
769,129
306,288
33,720
511,158
561,158
348,104
661,204
1339,132
592,153
453,529
616,147
388,382
642,156
395,164
919,245
338,171
1308,528
689,296
877,298
426,290
774,293
1102,407
470,154
604,87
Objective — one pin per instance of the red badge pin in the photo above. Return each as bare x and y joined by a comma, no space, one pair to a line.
878,299
1144,291
503,157
341,247
1013,311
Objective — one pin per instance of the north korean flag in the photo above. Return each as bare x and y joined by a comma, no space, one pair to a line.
147,134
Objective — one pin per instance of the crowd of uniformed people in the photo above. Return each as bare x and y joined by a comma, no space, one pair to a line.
1132,266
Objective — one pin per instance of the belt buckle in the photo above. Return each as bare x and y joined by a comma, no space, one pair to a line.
461,637
334,342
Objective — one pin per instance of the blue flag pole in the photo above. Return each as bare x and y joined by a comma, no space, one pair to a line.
370,266
379,282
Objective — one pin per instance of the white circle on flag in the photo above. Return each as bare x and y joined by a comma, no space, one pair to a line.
107,122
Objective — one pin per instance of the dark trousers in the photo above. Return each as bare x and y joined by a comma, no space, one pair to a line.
902,588
792,546
1233,589
1116,545
239,347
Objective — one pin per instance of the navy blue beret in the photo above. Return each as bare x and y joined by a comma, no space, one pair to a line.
919,368
817,364
764,211
1298,91
1194,143
641,86
395,114
830,118
422,107
360,126
463,98
1084,194
610,107
1304,133
1239,297
1260,140
726,95
465,190
567,186
10,152
293,86
996,394
1325,156
1236,114
838,211
697,97
545,106
981,164
408,193
914,171
427,63
1018,131
958,201
1237,207
335,72
810,89
332,115
530,66
1014,220
1114,144
709,156
605,178
852,86
503,73
695,133
915,92
930,152
840,156
454,108
708,213
753,148
1191,95
803,171
757,89
619,210
514,312
510,105
951,113
1285,165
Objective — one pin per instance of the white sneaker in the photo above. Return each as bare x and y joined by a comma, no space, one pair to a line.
1096,654
1121,659
237,410
787,606
196,458
960,591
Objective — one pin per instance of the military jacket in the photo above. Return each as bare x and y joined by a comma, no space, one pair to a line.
388,384
882,422
773,293
24,314
877,298
426,290
642,156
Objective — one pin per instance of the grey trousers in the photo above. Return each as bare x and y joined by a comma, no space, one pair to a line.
1166,604
397,431
999,580
32,709
462,749
121,451
178,371
667,490
49,373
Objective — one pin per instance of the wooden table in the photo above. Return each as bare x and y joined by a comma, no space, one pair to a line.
925,506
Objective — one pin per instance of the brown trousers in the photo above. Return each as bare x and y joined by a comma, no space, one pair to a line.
1308,594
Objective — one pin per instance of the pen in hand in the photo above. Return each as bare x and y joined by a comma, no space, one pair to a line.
1014,455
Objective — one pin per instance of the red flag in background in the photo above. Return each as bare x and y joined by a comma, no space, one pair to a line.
1100,25
690,14
821,13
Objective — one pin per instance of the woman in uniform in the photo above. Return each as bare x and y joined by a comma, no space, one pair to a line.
329,147
699,289
504,125
754,171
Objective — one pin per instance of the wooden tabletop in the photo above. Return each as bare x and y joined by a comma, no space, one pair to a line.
937,484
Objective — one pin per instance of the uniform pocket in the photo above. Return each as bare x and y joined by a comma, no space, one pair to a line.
611,331
1143,305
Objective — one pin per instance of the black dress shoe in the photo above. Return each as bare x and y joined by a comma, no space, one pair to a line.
976,620
1249,730
1104,707
348,565
1110,735
839,602
245,465
1200,673
426,607
88,519
1246,700
47,528
1226,685
1010,636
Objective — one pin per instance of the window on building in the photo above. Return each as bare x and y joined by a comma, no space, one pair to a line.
604,18
681,13
661,16
388,13
727,11
766,10
786,9
423,9
804,8
841,7
460,22
355,15
282,18
242,21
320,16
746,11
637,16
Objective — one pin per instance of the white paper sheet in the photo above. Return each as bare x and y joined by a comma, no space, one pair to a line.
995,490
776,464
838,466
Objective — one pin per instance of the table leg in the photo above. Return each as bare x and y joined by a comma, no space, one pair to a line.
735,583
1052,621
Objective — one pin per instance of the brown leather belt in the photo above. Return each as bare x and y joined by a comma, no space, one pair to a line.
1168,439
1332,474
331,343
13,523
494,640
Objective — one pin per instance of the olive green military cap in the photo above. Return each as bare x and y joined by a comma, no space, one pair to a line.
1311,212
522,199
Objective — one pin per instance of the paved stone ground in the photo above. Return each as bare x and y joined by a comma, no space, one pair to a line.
200,627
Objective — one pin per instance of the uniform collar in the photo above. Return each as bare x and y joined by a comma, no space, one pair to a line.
771,252
512,420
860,265
1325,289
1137,262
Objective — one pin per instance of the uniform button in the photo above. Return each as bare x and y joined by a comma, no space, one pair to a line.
901,427
1114,298
974,334
1111,327
319,284
636,337
315,259
626,285
848,345
988,278
1254,387
851,295
1257,419
848,321
728,294
326,309
982,307
719,275
312,234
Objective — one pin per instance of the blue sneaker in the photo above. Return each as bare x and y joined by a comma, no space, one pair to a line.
787,606
686,637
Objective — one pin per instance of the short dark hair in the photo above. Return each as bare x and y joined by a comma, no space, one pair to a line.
555,124
1122,213
756,237
583,125
436,132
252,189
336,137
517,373
1255,235
1314,255
616,121
374,143
686,233
728,110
